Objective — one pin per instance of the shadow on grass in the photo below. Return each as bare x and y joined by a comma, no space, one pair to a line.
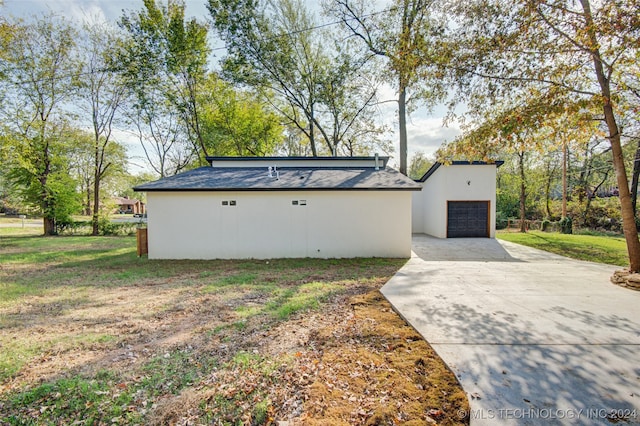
146,314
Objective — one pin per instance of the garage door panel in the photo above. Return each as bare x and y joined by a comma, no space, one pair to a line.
467,219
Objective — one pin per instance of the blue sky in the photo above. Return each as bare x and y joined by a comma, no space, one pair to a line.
425,131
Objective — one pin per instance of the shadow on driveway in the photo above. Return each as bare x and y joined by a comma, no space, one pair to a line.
533,337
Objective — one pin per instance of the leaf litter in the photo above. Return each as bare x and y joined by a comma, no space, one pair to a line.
173,351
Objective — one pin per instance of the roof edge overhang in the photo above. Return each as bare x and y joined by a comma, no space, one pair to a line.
437,165
139,189
383,159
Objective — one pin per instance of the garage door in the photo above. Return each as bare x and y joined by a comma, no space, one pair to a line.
467,219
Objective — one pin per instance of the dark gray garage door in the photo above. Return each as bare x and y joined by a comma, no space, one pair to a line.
467,219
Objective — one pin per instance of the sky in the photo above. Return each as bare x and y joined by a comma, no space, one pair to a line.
425,131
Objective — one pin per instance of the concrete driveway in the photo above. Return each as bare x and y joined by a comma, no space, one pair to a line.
533,337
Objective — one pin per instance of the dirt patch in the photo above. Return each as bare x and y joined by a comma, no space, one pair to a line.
355,362
378,370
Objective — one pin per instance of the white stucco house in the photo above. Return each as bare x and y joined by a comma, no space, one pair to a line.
297,207
274,207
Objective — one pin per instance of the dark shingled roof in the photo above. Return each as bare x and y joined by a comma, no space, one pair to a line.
290,179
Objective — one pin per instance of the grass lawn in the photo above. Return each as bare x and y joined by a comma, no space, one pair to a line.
595,248
91,334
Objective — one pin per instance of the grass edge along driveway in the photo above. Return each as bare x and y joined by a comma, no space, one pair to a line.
610,250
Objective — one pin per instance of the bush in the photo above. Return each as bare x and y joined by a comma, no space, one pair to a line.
107,227
544,226
502,220
566,225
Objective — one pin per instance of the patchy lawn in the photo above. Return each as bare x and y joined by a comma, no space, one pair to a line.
90,334
611,250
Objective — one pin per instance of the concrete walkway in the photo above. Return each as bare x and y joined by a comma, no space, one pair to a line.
533,337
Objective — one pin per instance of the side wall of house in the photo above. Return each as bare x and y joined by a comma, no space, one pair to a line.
456,183
418,212
263,225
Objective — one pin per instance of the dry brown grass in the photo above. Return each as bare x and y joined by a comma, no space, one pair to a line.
90,333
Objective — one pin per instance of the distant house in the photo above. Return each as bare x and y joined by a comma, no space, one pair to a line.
327,207
125,205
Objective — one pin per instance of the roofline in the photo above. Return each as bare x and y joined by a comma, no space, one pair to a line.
435,167
138,189
384,159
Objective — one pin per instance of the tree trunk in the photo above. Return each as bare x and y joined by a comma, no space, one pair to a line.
628,217
402,121
523,193
48,215
634,179
49,225
547,189
564,179
87,208
96,204
312,141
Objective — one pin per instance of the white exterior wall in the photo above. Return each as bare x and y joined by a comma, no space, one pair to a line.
453,183
418,212
263,225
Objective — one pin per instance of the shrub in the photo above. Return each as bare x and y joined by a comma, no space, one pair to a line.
566,225
544,226
501,220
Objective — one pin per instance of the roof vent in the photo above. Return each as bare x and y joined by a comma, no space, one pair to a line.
274,170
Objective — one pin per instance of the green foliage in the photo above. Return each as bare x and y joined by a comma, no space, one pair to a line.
545,225
236,122
583,53
419,165
566,225
603,214
163,61
39,66
56,200
108,227
323,89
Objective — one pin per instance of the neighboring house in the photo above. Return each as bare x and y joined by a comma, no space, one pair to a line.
457,200
279,207
127,205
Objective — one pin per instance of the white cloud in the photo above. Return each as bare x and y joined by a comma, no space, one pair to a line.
91,10
430,133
